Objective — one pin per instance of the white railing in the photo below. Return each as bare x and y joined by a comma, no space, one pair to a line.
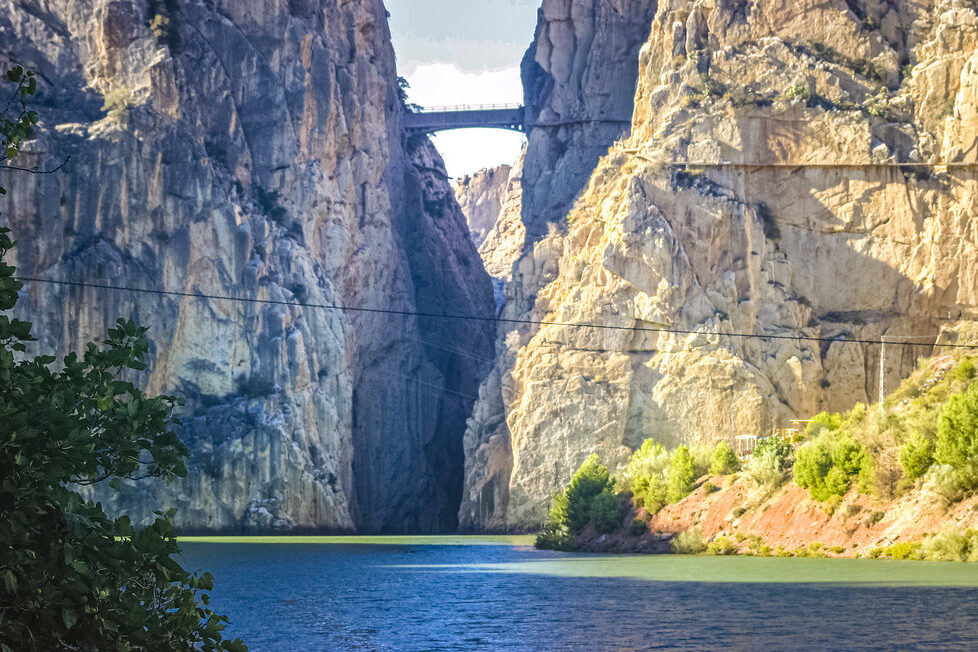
470,107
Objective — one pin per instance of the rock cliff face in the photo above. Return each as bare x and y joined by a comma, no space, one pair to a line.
579,79
253,149
480,196
757,193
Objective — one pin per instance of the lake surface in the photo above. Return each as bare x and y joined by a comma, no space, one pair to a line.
498,593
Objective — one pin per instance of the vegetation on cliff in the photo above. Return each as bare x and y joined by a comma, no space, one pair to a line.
921,447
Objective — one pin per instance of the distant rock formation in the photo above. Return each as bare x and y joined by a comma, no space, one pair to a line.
480,196
254,149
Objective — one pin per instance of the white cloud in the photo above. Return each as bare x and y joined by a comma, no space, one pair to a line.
444,84
469,150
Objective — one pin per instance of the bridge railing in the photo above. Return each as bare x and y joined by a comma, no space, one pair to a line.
469,107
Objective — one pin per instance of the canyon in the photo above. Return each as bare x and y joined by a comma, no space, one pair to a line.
795,171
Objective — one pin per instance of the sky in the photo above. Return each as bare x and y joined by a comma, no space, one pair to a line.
465,52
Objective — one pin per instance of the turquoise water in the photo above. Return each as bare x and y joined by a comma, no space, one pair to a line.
497,593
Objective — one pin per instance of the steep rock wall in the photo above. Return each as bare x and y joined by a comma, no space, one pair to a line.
755,194
253,149
579,79
480,196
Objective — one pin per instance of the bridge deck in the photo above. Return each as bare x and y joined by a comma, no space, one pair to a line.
463,118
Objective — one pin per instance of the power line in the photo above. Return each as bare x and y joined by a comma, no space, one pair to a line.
456,317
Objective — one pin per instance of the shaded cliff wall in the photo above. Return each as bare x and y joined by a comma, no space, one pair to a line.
254,149
794,221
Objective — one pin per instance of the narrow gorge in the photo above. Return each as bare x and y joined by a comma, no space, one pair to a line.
796,171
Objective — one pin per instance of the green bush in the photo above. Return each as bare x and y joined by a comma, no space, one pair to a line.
638,527
723,460
916,456
586,484
965,370
689,542
553,537
827,465
117,102
950,545
943,480
957,436
682,474
589,497
710,488
770,462
823,422
607,510
722,545
645,476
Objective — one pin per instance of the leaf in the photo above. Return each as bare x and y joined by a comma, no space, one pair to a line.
69,616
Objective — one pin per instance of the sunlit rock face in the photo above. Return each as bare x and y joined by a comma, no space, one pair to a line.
811,233
579,79
253,149
480,196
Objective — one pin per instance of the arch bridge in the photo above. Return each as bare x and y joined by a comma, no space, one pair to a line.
514,117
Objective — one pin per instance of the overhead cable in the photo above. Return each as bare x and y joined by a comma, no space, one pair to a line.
503,320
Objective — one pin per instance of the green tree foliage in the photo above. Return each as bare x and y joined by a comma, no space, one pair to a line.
588,498
682,474
827,465
71,578
823,422
771,461
554,535
957,436
916,456
589,481
17,127
723,460
607,511
645,476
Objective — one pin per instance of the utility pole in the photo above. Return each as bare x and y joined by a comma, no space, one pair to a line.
882,372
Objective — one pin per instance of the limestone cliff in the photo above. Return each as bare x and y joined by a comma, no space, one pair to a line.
784,177
579,79
480,196
253,149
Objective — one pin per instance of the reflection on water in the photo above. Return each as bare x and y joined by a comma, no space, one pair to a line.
422,593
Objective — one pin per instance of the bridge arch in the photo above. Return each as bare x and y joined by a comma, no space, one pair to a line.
513,117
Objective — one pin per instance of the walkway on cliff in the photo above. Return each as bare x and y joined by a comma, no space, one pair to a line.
514,117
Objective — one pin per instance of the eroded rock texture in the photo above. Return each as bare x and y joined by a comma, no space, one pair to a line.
253,149
756,194
480,196
579,79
